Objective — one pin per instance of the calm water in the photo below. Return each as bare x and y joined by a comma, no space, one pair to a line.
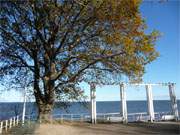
11,109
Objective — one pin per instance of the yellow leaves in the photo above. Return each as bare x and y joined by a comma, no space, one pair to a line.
147,48
114,10
146,45
128,41
109,39
109,52
131,66
113,38
128,45
153,56
138,20
125,27
136,2
97,3
83,56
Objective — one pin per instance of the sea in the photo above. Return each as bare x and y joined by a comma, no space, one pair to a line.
8,110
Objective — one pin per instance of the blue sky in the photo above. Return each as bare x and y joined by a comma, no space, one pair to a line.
161,16
165,17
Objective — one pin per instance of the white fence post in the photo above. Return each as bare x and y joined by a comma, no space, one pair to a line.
92,105
94,101
17,120
14,121
1,126
24,107
150,102
6,126
123,103
173,101
10,123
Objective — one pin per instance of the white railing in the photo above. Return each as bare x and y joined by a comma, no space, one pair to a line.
132,117
8,124
72,117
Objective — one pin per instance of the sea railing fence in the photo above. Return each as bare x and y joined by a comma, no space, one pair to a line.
9,123
106,117
5,125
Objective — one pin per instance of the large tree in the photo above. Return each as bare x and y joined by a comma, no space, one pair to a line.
56,44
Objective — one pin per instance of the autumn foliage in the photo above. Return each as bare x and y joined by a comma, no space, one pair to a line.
56,44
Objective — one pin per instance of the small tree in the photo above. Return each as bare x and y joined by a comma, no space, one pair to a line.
58,44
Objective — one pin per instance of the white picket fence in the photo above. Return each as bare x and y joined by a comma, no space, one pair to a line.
8,124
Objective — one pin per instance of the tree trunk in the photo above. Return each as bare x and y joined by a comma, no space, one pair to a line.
46,105
45,113
45,100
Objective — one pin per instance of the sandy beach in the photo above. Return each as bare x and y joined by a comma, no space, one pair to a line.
171,128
